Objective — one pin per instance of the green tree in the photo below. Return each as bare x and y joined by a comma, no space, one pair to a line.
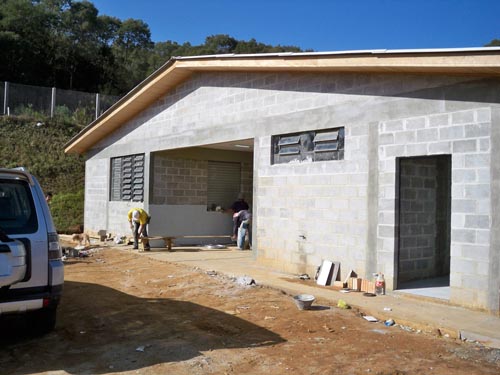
67,44
131,49
493,43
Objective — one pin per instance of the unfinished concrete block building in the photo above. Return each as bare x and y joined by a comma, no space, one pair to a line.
385,161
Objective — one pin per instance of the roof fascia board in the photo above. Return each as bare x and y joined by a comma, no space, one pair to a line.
423,63
139,97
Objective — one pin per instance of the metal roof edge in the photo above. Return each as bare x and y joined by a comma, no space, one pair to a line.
347,52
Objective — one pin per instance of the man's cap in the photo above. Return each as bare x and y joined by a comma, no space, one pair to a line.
136,215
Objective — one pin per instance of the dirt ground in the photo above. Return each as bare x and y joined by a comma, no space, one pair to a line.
127,314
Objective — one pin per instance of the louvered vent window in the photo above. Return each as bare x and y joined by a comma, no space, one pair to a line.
318,145
127,178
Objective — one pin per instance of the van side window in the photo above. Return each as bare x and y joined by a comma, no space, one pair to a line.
17,209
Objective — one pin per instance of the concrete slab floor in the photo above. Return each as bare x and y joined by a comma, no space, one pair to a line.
438,288
417,313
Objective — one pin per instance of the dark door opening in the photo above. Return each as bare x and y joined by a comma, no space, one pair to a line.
423,221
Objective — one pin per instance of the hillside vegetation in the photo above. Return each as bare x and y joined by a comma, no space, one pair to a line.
40,148
68,44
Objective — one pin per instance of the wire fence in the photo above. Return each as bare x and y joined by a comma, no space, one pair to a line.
82,107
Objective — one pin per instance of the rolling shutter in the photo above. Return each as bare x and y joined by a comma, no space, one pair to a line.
224,183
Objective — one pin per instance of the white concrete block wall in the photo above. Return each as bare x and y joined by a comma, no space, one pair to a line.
212,107
415,119
100,213
312,211
96,194
464,135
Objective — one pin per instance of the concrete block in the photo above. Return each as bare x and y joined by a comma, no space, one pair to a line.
439,120
386,218
404,137
415,123
439,147
458,191
386,139
427,135
396,125
477,191
483,237
476,252
469,145
462,266
451,132
475,282
477,221
386,204
476,160
483,115
463,175
484,144
391,151
416,149
483,268
463,235
477,130
457,220
462,117
458,160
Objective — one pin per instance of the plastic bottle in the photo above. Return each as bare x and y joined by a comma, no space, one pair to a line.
380,284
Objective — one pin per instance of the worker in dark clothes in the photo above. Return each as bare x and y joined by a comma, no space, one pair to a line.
239,205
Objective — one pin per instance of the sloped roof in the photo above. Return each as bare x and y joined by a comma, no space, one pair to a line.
466,61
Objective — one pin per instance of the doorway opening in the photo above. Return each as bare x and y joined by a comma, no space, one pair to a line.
423,225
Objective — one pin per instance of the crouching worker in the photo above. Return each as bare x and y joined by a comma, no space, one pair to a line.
244,229
139,220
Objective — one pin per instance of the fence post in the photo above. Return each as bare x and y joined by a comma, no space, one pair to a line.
97,105
5,98
53,103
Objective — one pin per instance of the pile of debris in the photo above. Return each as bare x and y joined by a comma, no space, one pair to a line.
329,274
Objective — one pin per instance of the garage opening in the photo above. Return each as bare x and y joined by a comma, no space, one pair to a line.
423,221
192,190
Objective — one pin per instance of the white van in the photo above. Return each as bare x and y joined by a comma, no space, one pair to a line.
31,269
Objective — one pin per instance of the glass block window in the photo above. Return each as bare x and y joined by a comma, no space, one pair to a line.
321,145
127,178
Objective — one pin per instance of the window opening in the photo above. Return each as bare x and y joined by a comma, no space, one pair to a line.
127,178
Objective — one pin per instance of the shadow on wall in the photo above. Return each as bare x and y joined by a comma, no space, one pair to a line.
103,328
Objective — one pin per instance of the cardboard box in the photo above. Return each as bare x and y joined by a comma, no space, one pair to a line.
338,284
371,287
364,285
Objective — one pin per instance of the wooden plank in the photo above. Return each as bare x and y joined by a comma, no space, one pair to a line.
169,240
208,236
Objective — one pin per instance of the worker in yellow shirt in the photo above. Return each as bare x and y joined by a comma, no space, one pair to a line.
139,220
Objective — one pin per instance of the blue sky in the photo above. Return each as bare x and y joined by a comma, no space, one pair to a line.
321,25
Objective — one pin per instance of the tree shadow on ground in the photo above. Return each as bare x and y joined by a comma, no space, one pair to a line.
104,330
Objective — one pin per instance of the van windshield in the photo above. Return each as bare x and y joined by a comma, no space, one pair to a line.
17,209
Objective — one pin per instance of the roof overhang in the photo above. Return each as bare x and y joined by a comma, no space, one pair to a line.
470,61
